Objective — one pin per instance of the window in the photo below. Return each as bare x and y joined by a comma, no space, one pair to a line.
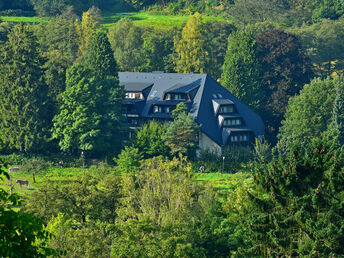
133,95
226,109
239,138
229,122
162,109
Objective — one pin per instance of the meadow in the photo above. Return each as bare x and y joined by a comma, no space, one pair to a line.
143,18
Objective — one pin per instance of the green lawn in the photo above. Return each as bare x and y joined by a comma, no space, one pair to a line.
63,175
23,19
110,18
149,19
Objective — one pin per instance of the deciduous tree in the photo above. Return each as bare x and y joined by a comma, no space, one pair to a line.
191,47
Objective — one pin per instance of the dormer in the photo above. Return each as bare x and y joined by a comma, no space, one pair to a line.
182,92
223,106
231,121
136,90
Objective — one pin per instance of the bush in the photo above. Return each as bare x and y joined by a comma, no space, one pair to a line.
17,12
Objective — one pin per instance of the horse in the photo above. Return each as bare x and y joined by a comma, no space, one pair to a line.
22,182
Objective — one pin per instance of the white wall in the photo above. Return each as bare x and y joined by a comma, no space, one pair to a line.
205,143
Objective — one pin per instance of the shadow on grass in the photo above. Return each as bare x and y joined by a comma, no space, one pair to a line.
115,18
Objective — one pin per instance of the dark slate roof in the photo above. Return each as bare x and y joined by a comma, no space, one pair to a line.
202,105
182,88
135,86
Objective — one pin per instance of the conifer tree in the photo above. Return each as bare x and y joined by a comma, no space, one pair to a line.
241,70
182,134
24,118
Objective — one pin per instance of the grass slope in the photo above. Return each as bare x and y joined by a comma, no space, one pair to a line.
110,18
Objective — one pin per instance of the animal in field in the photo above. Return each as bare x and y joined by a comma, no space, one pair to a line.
22,182
13,169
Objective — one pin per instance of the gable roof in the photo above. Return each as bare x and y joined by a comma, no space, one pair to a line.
207,95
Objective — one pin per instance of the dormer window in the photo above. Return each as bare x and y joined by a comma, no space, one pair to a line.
175,96
133,95
162,109
232,122
239,138
226,109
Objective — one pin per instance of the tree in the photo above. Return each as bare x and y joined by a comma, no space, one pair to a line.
22,234
308,114
191,47
149,140
217,33
127,44
58,43
89,117
181,134
25,119
241,70
337,124
253,11
285,70
85,30
324,45
158,49
299,211
165,213
128,161
328,9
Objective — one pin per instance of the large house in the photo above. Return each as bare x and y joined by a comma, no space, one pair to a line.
224,119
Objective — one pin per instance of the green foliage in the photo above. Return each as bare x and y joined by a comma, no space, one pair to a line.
150,140
323,42
253,11
127,44
85,30
89,117
285,70
241,70
19,232
164,213
58,42
302,202
309,113
25,119
182,134
191,55
128,161
336,128
328,9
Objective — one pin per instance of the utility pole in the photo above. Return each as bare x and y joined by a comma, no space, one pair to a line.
223,164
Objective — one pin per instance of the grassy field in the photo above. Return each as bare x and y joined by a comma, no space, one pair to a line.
23,19
63,175
221,182
149,19
110,18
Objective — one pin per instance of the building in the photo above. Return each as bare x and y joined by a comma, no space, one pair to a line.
224,119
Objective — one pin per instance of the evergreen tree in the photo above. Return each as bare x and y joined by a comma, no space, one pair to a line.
25,119
298,210
182,134
99,56
90,117
241,70
191,48
337,125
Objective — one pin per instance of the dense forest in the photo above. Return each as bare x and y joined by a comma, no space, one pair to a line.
60,103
